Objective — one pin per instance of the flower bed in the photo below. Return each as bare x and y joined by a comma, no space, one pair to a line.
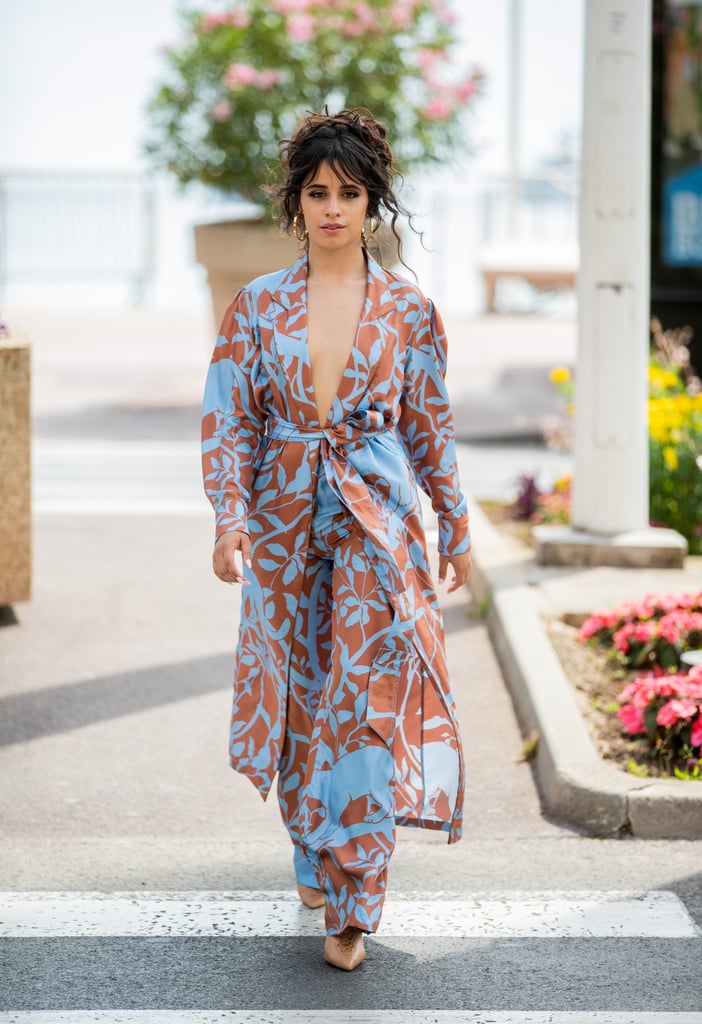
661,710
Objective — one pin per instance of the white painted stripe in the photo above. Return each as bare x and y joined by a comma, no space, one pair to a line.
48,449
342,1017
265,914
119,507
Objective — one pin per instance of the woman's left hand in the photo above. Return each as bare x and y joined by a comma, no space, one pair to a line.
461,565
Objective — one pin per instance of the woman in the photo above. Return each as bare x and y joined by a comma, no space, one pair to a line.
325,404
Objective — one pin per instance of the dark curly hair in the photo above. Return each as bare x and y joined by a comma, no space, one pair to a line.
353,143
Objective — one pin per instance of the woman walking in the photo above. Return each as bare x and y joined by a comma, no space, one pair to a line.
325,406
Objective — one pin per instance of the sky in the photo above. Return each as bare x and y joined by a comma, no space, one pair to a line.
75,75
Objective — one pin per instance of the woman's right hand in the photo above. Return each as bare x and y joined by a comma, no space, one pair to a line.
229,552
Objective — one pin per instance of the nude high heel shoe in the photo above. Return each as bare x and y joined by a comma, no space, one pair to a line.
345,951
312,898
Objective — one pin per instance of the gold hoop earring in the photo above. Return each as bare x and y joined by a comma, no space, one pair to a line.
300,237
372,228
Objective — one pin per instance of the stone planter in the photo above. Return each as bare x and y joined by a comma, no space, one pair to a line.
15,472
235,252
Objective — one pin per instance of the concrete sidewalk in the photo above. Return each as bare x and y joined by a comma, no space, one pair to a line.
138,374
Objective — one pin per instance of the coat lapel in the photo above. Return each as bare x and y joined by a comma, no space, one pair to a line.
285,311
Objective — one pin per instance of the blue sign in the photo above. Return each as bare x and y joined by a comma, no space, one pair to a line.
682,234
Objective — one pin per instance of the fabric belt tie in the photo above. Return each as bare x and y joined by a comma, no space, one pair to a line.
349,431
342,439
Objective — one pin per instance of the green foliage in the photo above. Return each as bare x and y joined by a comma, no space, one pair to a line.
675,497
241,79
675,436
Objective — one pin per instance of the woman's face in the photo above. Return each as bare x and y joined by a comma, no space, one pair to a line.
334,209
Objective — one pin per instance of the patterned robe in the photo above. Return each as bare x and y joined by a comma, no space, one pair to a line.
389,429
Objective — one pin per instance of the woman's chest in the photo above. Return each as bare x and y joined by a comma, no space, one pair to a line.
370,366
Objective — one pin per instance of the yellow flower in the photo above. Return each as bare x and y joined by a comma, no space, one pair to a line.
671,458
559,375
563,483
662,380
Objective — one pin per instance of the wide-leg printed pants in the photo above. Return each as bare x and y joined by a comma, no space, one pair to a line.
336,776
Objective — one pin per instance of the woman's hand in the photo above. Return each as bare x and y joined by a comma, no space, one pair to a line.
229,552
461,565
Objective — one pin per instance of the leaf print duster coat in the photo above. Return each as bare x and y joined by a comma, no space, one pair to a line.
379,636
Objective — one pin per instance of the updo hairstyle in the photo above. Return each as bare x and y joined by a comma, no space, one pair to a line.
353,143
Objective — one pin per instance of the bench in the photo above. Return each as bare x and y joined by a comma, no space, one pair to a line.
542,265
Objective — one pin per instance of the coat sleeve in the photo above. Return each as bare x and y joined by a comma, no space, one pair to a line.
232,421
427,431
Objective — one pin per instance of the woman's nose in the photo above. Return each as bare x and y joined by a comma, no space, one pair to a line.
332,204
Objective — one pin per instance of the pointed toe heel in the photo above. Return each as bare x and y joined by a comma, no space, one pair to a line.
345,951
312,898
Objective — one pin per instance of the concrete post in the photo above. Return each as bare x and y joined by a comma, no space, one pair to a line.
610,484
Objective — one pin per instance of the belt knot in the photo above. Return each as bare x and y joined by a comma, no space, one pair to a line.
350,431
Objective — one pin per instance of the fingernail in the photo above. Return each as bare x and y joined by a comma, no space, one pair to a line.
247,563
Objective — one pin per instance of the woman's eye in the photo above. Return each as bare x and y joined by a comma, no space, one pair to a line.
351,195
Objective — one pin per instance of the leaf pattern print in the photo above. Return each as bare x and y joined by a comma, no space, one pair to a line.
341,684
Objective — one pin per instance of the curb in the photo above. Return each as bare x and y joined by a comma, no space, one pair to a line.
576,784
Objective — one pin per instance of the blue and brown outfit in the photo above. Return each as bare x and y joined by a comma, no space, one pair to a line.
341,683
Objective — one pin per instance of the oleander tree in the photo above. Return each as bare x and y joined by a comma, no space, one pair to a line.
241,76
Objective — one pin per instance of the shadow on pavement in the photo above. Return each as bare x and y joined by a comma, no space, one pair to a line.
29,716
123,422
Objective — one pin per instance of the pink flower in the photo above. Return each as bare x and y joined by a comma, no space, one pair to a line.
291,6
674,711
240,74
640,632
221,111
439,108
426,59
443,13
301,28
364,13
696,735
632,719
645,689
629,692
268,78
210,21
401,15
465,89
598,621
239,17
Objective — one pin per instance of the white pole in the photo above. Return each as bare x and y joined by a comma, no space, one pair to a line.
514,115
610,483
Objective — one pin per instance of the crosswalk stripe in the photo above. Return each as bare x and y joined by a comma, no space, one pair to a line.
657,914
342,1017
98,477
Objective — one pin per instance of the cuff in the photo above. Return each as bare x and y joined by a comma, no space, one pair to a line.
454,535
232,516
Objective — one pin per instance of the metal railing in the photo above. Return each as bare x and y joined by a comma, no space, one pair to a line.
543,208
89,225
